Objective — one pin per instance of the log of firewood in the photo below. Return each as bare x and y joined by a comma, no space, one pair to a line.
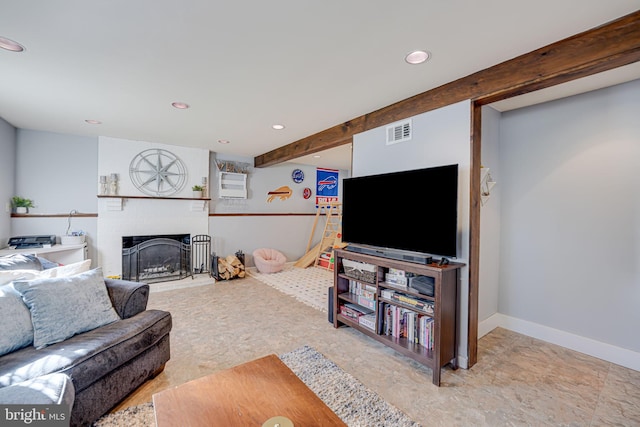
230,267
222,269
226,265
233,260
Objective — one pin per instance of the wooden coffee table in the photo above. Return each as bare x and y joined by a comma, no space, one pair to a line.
246,395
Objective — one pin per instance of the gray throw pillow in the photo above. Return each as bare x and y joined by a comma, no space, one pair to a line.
15,318
62,307
20,262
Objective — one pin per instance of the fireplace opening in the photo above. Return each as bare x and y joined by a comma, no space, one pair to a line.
157,258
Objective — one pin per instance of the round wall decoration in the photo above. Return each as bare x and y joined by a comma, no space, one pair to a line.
157,172
297,175
306,193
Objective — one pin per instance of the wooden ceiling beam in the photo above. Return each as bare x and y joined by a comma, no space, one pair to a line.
603,48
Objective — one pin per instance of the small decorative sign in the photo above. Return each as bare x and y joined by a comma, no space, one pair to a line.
306,193
282,193
297,175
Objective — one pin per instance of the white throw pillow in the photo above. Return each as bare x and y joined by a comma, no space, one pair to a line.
69,269
8,276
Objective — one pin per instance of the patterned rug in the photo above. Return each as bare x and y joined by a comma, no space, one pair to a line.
307,285
354,403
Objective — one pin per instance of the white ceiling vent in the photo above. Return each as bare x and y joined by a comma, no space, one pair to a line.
399,132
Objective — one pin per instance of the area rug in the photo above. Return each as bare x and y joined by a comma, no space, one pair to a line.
354,403
307,285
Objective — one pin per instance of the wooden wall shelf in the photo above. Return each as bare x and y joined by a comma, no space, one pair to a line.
106,196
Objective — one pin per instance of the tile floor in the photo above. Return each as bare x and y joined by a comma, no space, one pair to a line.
518,380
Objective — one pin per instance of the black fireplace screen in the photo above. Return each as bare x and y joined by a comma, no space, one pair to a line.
156,258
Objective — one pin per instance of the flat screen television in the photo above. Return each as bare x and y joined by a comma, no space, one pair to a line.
414,211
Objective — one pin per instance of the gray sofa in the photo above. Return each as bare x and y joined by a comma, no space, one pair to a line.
97,369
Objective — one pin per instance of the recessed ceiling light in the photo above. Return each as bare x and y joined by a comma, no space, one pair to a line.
223,141
278,127
93,122
9,44
180,105
317,156
417,56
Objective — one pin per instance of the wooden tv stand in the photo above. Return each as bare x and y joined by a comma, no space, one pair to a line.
442,349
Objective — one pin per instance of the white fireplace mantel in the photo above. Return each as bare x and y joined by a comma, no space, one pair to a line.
145,216
130,214
116,203
107,196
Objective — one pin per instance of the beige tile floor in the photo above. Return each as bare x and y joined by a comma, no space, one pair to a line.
518,381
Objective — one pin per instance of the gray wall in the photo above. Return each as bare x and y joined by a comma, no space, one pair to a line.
570,218
440,137
59,173
490,221
560,234
7,177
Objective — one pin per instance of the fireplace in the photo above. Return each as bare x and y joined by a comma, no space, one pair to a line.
157,258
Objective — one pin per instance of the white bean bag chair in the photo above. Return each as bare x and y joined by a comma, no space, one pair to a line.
268,260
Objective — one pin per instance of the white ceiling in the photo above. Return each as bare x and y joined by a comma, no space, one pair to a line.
243,66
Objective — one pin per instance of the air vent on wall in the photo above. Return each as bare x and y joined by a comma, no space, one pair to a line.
399,132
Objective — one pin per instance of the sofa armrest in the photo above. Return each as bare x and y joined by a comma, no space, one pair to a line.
56,389
128,298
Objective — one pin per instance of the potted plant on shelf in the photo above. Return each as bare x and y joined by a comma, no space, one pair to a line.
21,205
197,191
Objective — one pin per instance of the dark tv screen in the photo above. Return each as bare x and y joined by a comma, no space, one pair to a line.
414,210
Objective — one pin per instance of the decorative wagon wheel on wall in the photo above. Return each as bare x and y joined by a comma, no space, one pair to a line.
158,172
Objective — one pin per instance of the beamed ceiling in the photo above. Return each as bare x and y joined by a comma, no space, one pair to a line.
598,50
325,70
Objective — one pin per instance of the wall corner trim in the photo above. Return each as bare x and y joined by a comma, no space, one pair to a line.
620,356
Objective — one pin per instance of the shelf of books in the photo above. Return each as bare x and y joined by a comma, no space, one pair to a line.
409,307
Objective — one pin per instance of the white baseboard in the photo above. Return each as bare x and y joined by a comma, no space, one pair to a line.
619,356
463,362
488,325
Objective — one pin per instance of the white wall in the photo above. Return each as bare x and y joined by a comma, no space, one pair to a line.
440,137
7,178
289,234
570,222
145,216
48,175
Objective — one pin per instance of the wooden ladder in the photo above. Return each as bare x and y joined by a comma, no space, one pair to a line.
331,237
